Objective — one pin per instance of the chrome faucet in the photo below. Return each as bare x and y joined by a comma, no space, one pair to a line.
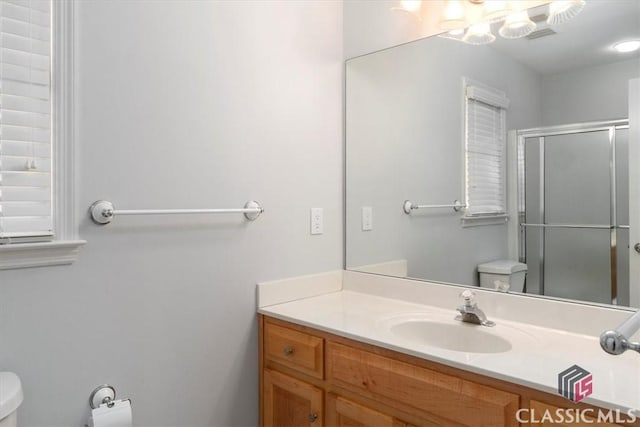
469,311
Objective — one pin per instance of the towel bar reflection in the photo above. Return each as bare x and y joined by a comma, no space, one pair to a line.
409,206
102,212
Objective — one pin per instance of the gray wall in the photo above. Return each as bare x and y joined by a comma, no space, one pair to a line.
404,125
594,93
183,104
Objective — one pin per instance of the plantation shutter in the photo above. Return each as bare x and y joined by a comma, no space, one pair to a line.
485,151
25,120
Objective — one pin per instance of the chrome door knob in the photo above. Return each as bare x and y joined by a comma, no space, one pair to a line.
636,247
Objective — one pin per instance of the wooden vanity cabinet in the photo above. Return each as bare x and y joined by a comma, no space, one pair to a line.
312,378
290,402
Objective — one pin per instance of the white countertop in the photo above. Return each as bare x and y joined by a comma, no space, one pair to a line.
537,355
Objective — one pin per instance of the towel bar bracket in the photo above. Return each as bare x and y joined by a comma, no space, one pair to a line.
618,341
615,343
101,212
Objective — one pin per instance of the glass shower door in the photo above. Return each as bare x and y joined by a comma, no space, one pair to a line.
576,216
577,194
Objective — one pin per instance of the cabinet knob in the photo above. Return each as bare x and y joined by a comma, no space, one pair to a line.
288,350
313,417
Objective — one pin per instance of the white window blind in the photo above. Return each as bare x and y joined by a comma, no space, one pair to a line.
25,120
485,151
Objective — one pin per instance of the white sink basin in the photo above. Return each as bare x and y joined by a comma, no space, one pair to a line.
440,330
457,337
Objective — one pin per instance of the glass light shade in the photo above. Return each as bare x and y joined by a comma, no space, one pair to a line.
562,11
479,34
453,16
411,6
517,25
495,10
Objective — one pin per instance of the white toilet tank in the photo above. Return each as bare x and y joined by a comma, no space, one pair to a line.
503,275
10,398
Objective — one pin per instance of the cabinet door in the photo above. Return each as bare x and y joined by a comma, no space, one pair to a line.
345,413
289,402
425,391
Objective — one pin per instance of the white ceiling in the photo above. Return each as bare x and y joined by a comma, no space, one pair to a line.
584,41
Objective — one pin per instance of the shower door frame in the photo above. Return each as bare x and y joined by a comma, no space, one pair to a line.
541,133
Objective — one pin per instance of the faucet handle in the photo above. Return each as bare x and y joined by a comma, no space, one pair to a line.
468,296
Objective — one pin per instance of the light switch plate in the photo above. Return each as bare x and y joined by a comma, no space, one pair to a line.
367,218
316,221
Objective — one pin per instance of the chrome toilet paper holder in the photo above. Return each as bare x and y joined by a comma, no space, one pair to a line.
101,395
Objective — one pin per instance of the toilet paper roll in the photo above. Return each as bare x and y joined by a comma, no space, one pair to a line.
119,415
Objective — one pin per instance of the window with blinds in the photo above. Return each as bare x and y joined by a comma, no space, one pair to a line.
25,121
485,145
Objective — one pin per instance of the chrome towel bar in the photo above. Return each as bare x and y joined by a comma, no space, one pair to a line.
103,211
617,341
597,226
408,206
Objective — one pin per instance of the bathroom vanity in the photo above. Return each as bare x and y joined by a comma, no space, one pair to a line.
342,355
313,378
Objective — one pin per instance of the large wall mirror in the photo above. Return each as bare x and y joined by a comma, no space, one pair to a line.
505,165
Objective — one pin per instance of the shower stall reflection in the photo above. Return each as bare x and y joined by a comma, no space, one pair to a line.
573,207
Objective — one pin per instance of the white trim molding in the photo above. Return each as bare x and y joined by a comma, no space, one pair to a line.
66,245
41,254
65,217
474,221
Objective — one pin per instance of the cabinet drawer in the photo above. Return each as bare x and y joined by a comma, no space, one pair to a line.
342,412
297,350
445,396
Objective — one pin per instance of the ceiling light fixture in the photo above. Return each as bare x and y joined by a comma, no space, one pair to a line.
454,16
478,16
627,46
410,6
563,10
495,10
516,25
479,34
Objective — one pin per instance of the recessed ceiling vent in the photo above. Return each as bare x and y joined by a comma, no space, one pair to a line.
544,32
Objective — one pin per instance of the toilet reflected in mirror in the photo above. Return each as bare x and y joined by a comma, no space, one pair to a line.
503,275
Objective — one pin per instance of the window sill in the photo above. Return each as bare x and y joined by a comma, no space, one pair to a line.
23,255
475,221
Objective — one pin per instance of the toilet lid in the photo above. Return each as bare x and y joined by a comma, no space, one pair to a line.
10,393
503,266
